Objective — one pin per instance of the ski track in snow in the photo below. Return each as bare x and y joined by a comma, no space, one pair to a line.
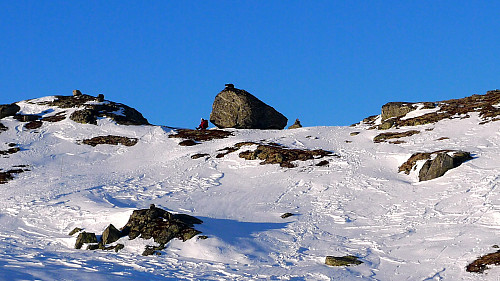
357,205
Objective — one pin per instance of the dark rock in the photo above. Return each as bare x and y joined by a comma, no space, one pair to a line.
354,133
84,238
396,109
75,230
200,135
100,97
77,93
189,233
385,136
342,261
296,125
202,237
159,224
441,164
93,247
323,163
480,264
235,108
188,143
199,155
286,215
84,116
110,235
118,247
33,125
55,118
112,140
8,110
26,117
152,250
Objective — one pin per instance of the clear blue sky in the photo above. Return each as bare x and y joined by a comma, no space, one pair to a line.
325,62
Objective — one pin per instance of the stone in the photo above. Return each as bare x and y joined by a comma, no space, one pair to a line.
100,97
437,167
84,116
84,238
296,125
77,93
286,215
111,234
342,261
8,110
235,108
75,230
396,109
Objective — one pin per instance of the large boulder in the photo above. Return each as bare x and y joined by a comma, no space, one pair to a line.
8,110
396,109
434,168
235,108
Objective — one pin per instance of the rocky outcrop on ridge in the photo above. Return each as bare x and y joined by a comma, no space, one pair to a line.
437,163
91,108
235,108
481,263
486,105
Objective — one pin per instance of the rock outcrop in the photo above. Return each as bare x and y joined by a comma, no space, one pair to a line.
235,108
91,108
437,163
8,110
342,261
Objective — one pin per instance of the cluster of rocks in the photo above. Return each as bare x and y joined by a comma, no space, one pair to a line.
6,176
392,113
154,222
96,107
236,108
112,140
194,137
437,163
273,153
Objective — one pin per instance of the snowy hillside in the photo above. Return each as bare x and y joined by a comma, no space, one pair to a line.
358,204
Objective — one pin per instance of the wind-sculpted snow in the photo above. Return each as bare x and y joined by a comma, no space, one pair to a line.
358,205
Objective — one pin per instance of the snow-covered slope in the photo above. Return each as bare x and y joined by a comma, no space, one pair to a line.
358,204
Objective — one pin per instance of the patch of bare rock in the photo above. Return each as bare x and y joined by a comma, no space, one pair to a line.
394,135
154,222
112,140
273,153
194,137
481,264
437,163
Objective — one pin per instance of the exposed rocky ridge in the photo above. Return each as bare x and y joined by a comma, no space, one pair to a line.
91,108
236,108
486,105
394,135
8,110
194,137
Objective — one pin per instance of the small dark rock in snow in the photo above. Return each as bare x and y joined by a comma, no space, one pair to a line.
84,238
286,215
75,230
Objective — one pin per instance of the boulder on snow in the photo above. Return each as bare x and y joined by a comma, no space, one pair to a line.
110,235
441,164
235,108
342,261
8,110
84,238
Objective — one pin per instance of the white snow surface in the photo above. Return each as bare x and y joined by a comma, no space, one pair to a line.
357,205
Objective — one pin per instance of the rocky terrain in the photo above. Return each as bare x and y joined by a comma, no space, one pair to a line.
409,194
